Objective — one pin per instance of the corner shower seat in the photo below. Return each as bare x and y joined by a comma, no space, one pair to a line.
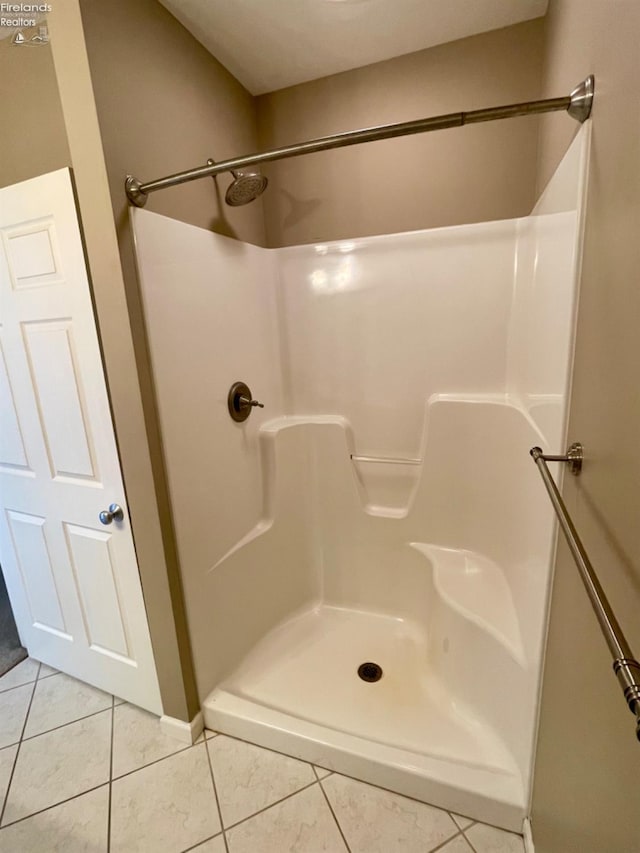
476,587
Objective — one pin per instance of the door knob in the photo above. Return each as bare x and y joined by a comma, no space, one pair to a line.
114,513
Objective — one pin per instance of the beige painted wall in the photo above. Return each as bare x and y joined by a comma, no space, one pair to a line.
586,784
166,105
471,174
33,140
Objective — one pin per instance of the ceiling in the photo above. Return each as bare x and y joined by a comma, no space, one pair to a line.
270,44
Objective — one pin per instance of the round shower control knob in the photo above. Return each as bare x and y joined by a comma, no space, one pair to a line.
240,402
114,513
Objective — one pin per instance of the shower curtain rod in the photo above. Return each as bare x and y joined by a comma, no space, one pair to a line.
578,104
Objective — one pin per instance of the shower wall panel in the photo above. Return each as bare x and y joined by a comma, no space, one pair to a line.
210,306
375,326
548,253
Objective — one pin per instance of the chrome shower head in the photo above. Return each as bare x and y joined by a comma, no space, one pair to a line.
245,187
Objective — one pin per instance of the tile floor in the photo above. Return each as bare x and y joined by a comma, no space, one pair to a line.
82,771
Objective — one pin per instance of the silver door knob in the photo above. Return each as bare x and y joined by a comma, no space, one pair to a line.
114,513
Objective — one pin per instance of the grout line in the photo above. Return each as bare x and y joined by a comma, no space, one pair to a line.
215,793
113,701
335,817
271,805
25,683
52,806
16,686
444,843
315,772
204,841
326,775
62,725
15,760
467,840
155,761
55,672
395,793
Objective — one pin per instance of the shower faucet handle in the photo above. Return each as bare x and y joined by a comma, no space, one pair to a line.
244,402
240,402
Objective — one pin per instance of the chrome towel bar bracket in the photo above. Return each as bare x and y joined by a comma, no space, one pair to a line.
625,666
573,457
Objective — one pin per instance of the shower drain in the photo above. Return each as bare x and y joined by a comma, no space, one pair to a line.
370,671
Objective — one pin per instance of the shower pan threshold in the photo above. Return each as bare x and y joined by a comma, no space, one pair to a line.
298,692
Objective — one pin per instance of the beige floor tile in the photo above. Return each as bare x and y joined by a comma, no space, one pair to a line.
249,778
7,757
458,845
322,772
23,673
77,826
463,822
377,821
46,671
214,845
13,710
138,740
302,823
166,807
489,839
61,699
60,764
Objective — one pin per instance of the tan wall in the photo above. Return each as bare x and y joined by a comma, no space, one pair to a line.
470,174
166,105
32,138
586,782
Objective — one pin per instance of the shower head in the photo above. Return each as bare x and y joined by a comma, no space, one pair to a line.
245,187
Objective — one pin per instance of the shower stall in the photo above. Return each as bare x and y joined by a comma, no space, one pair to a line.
367,558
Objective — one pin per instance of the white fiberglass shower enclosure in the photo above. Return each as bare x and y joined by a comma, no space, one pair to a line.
382,507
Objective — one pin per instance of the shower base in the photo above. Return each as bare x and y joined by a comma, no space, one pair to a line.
299,692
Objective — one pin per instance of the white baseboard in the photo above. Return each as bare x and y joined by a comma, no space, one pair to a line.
528,836
185,732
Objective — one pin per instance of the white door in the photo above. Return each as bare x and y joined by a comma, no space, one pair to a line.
73,581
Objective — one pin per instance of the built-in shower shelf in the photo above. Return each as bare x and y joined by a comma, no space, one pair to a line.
476,587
